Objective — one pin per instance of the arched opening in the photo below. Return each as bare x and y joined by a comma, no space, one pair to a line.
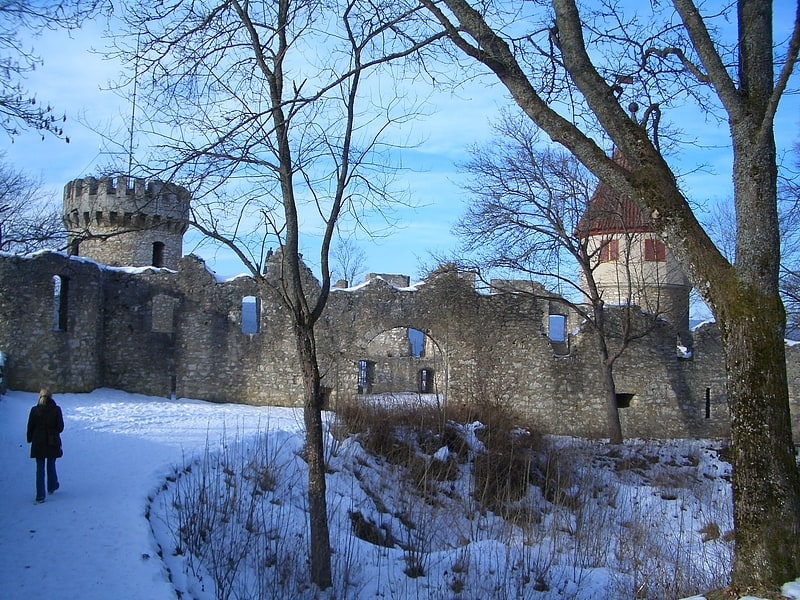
401,362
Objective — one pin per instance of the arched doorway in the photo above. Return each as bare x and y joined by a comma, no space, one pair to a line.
402,363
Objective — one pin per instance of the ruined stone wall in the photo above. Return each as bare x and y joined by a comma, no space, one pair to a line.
163,333
40,351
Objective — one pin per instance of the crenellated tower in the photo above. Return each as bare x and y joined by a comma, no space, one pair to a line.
126,221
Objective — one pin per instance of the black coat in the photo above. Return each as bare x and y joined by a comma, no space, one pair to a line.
45,423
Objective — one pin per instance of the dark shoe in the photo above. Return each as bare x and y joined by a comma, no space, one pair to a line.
39,500
53,490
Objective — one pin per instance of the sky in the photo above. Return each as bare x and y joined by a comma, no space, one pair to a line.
76,80
130,460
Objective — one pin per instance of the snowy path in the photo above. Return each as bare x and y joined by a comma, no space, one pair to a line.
90,540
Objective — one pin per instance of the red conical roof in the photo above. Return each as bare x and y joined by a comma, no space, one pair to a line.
608,212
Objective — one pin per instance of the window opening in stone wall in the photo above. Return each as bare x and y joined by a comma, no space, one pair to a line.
557,328
417,340
609,251
366,375
655,251
426,381
60,308
624,400
158,254
250,306
75,248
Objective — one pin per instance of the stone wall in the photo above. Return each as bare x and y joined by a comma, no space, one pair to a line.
39,352
179,333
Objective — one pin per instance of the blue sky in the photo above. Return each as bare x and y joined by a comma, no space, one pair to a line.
76,81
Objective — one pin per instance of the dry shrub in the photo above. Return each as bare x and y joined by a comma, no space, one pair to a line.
408,435
503,475
710,532
501,479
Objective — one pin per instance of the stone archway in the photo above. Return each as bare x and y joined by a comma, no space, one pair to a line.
401,362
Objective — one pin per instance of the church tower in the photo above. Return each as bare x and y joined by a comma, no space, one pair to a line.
631,263
125,221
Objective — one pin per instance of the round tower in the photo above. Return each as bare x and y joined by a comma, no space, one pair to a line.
630,262
126,221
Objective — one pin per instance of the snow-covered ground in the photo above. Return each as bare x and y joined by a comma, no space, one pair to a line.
131,467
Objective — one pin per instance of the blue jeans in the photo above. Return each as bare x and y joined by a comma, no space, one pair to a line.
52,477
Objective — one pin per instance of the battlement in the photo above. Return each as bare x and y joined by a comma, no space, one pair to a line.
124,201
126,221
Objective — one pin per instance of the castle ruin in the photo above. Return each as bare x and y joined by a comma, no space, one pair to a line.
126,316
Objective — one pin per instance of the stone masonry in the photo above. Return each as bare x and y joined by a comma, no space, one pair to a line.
126,312
179,333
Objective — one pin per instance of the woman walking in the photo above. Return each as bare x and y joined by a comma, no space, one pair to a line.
45,424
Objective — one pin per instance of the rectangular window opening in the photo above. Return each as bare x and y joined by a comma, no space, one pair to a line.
60,307
366,375
426,381
158,254
557,328
624,400
655,251
250,315
417,340
609,251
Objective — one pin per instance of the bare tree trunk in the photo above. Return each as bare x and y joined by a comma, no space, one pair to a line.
607,371
320,551
744,295
766,482
612,408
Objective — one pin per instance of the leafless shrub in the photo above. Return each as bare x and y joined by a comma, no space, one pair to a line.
710,532
547,508
226,521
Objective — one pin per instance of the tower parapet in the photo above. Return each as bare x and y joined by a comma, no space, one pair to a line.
126,221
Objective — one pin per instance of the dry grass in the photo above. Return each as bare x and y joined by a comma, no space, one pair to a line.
560,519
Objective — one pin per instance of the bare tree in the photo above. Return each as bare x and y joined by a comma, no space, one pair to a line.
721,226
20,110
567,68
349,261
29,220
261,108
789,198
536,211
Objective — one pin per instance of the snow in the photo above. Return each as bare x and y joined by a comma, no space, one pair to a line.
109,532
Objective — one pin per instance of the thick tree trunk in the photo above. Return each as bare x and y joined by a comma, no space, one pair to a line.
319,550
766,482
743,296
